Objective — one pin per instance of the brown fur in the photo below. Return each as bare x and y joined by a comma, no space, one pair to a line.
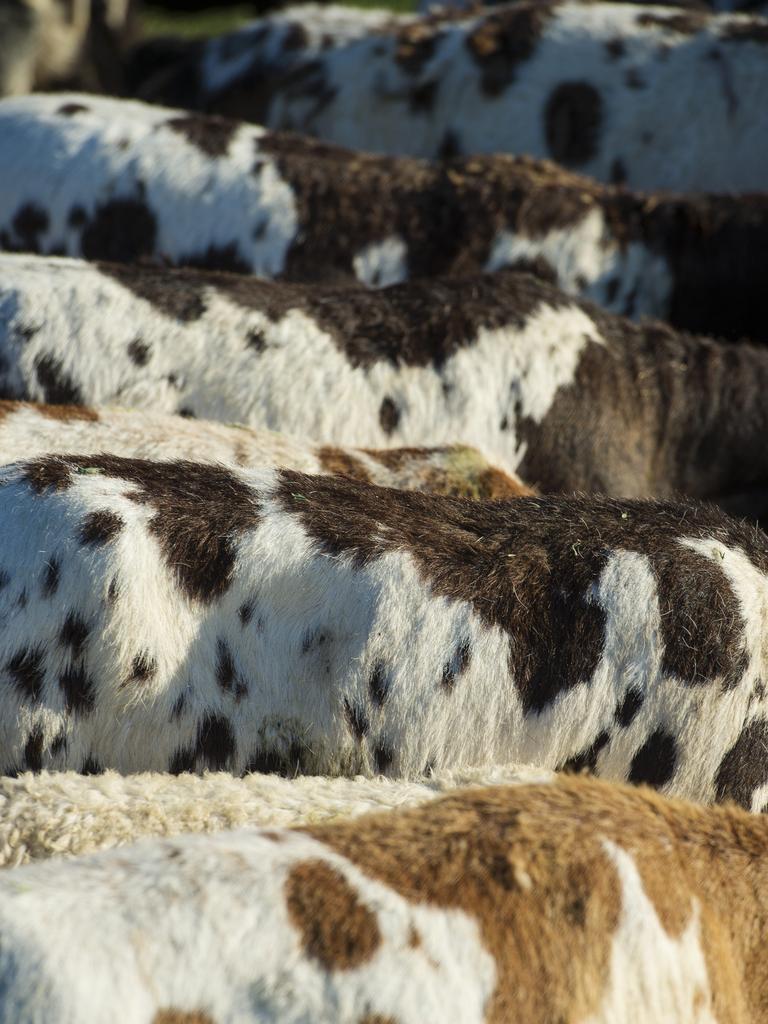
527,863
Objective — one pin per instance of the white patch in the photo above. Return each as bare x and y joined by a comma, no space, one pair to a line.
382,263
653,977
247,961
587,259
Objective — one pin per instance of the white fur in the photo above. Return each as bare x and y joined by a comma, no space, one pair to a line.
61,814
319,629
699,111
206,366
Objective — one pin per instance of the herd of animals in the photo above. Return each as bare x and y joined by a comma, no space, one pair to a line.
384,427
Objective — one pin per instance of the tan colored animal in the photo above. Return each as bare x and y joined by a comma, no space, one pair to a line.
28,429
569,901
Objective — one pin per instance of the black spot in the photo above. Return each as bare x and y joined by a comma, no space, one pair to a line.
139,352
179,706
225,666
611,290
51,577
100,527
626,711
456,666
573,118
245,612
29,222
124,230
113,590
33,750
256,339
356,719
615,48
450,146
587,759
504,40
389,415
59,745
618,172
76,216
91,766
26,671
421,98
186,412
379,684
143,668
5,579
70,109
215,742
654,763
745,767
634,79
77,688
74,633
383,757
57,387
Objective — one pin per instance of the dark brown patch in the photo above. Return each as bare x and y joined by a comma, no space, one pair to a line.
27,672
504,40
745,767
66,413
630,705
143,668
341,462
356,719
587,759
211,135
200,512
70,109
415,45
56,385
77,687
687,23
100,527
169,1015
389,415
120,229
139,352
458,664
573,118
529,566
746,30
74,633
654,763
336,928
177,294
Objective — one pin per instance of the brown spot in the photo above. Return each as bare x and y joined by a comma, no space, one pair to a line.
100,527
64,413
341,462
211,135
746,30
504,40
389,415
572,121
56,385
171,1016
336,928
